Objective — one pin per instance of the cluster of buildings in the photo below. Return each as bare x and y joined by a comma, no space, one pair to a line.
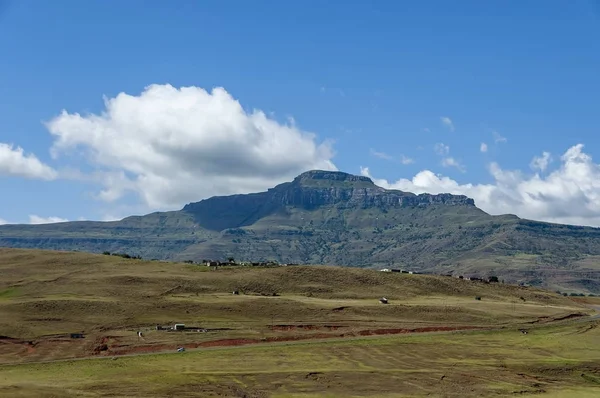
398,270
467,278
232,262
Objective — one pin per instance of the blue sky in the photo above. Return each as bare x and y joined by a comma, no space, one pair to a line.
405,92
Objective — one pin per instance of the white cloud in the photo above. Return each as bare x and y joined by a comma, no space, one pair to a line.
109,217
498,138
14,162
541,162
483,147
171,146
441,149
447,161
380,155
570,194
2,222
406,160
446,121
33,219
451,162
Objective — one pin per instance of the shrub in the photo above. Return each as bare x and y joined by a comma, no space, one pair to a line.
125,255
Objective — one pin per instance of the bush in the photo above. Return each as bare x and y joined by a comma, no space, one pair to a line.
125,255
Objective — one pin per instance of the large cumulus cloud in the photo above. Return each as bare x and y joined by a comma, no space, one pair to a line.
172,146
569,194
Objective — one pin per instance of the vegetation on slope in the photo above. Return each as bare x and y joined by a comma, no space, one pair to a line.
339,219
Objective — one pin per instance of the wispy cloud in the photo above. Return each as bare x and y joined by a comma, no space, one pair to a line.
2,222
498,138
441,149
110,217
380,155
426,130
33,219
483,147
541,162
446,121
451,162
406,160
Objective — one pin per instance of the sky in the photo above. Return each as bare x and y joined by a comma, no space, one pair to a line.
111,108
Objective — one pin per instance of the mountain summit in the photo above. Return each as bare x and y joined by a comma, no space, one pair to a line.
331,178
330,217
309,191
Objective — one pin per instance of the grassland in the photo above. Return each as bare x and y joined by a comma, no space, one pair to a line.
292,331
556,361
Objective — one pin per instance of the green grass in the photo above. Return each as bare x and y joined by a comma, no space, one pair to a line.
8,293
110,298
471,364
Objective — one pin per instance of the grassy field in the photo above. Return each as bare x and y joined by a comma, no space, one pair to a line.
556,361
292,331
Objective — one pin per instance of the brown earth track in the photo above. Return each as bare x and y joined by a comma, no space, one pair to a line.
128,350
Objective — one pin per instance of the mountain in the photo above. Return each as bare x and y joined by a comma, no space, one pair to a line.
324,217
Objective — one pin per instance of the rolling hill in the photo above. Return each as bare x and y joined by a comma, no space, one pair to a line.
335,218
70,324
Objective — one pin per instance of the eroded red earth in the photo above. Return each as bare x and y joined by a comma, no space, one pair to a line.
128,349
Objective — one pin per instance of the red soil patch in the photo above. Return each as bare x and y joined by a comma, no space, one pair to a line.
30,348
124,350
29,345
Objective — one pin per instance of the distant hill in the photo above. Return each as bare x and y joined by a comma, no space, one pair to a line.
324,217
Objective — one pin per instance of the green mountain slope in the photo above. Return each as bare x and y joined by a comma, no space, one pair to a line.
337,218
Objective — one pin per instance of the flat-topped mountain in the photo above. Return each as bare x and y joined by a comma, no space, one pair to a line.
309,191
324,217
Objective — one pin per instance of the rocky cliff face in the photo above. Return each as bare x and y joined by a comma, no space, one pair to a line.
336,218
310,191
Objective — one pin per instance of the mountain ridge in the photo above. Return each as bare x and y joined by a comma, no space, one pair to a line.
309,191
325,217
